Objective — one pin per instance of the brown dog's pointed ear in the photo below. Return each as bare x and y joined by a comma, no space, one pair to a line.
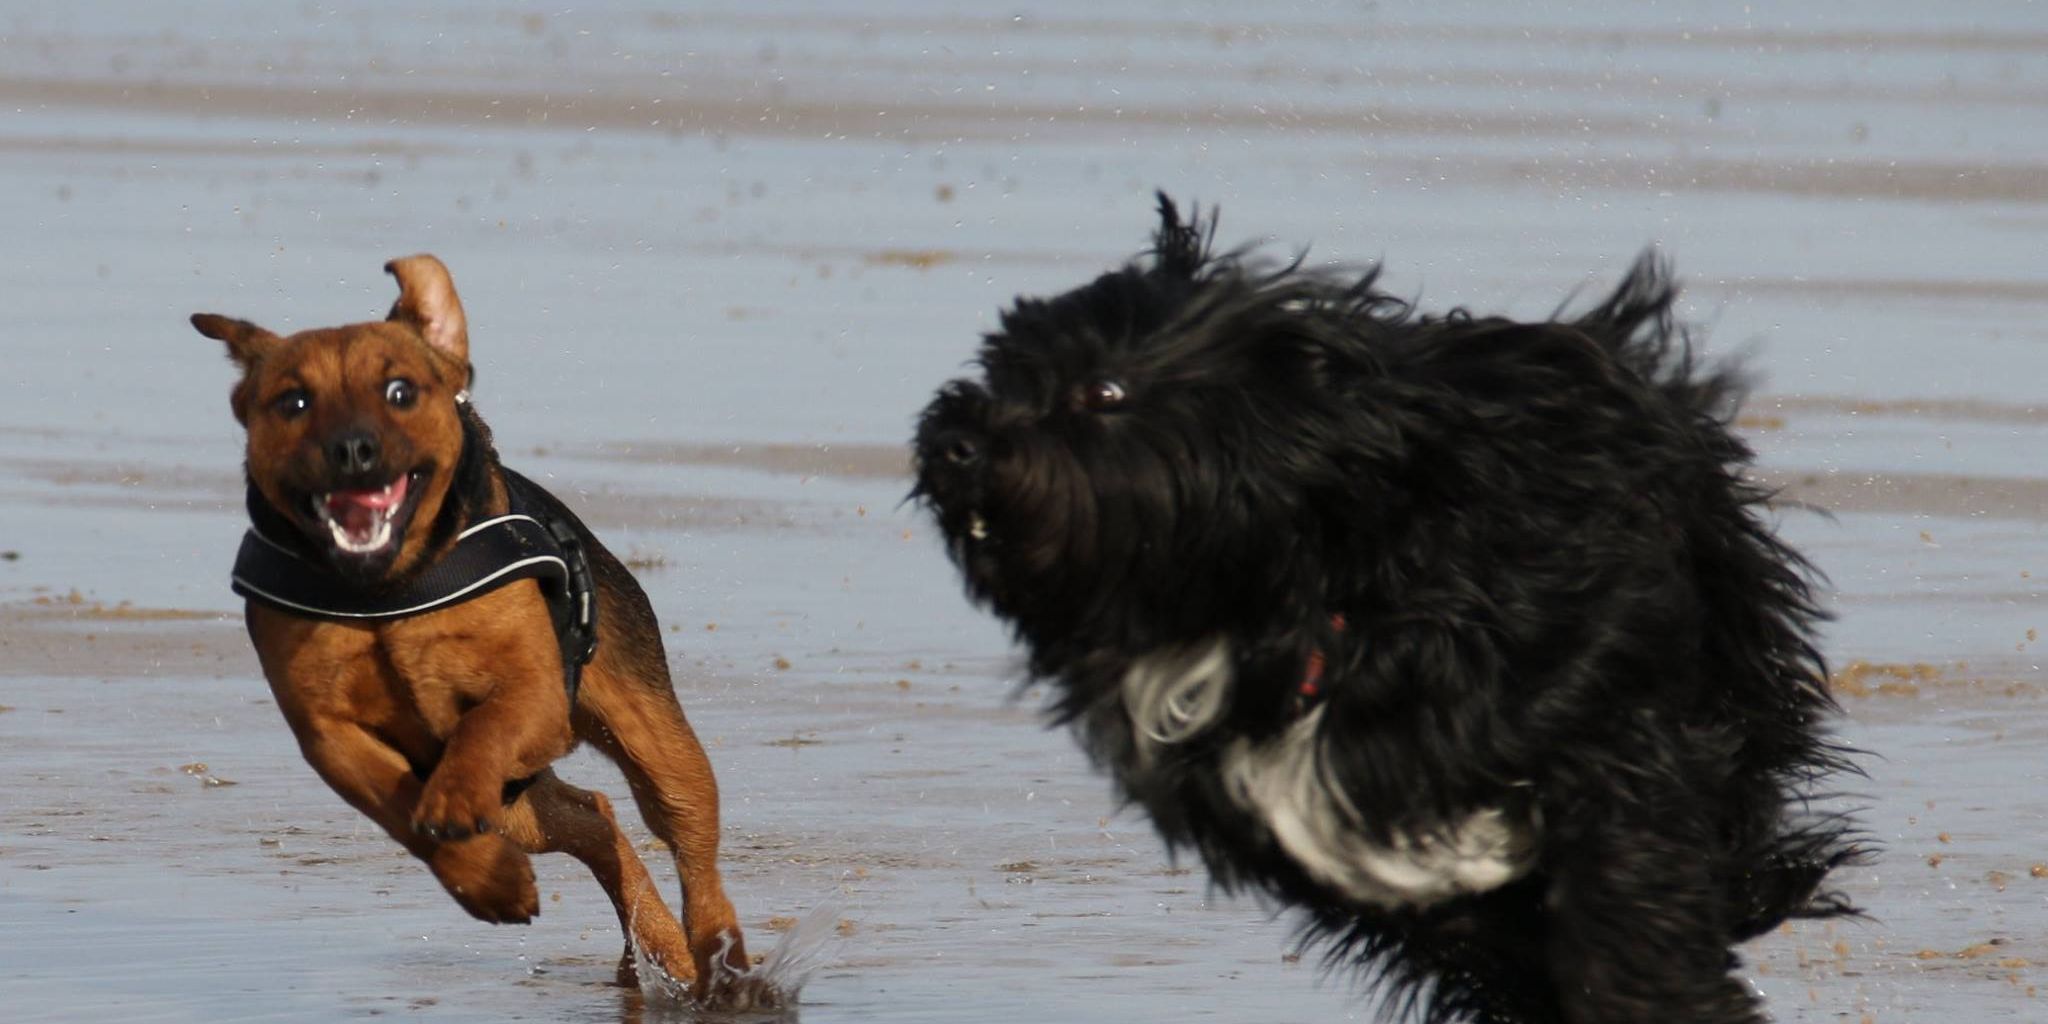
246,342
426,300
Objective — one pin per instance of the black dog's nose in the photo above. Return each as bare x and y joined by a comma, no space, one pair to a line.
353,452
960,450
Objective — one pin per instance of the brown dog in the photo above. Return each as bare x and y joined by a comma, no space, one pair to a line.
368,471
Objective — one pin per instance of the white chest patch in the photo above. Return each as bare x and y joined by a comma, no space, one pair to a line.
1172,696
1282,781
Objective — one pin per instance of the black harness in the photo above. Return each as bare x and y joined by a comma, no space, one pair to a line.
527,542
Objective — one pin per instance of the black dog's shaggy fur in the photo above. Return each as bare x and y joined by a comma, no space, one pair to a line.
1465,635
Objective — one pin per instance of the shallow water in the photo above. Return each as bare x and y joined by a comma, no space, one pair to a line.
715,261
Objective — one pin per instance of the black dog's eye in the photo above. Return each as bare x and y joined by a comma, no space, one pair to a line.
401,393
1101,395
290,404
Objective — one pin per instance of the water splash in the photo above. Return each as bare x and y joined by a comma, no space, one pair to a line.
799,952
772,986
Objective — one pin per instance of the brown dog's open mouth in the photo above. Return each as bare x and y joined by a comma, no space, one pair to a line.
364,521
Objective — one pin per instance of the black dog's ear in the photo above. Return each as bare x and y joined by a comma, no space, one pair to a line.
1180,248
1318,361
1323,327
247,343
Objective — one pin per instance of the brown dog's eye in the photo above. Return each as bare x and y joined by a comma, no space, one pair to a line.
1102,395
290,404
401,393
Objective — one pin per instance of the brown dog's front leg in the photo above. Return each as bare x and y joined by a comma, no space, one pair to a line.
487,677
514,734
489,875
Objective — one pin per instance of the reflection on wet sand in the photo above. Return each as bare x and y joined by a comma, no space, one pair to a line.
1916,494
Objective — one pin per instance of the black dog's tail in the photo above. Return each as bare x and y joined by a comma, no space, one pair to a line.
1756,591
1637,325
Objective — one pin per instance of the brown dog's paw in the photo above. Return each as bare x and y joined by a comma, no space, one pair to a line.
457,806
490,876
726,978
731,992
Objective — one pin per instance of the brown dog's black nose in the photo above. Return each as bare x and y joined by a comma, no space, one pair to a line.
353,452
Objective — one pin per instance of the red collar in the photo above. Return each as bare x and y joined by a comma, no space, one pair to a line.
1312,673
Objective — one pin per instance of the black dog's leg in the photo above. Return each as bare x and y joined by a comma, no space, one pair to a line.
1496,980
1476,960
1637,930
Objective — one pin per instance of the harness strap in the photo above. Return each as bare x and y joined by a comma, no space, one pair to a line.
525,543
573,601
485,557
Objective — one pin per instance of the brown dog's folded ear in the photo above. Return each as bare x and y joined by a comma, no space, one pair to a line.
246,342
426,300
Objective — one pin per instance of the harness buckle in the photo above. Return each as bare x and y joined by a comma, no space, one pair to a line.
580,639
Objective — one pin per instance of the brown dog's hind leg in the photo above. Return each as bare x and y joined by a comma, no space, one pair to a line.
644,731
555,817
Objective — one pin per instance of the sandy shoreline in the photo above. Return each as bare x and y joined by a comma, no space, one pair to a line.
124,484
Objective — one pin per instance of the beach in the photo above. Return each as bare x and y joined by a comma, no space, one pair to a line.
716,259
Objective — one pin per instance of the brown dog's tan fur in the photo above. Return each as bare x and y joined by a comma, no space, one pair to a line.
470,696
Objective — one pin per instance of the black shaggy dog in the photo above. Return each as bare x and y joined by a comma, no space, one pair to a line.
1463,634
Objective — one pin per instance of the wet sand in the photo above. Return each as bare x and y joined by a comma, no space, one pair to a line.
716,261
